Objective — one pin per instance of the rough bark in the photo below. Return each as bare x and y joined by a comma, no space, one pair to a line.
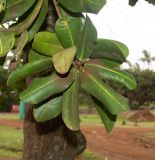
50,140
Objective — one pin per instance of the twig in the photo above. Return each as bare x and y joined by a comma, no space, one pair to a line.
57,8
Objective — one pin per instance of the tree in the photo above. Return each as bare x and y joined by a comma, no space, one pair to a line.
133,2
147,58
8,96
57,64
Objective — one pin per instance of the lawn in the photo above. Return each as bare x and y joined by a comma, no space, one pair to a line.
122,120
11,142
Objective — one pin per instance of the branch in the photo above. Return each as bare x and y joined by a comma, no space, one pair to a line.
57,8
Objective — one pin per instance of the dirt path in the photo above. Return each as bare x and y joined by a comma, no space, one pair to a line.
121,144
12,123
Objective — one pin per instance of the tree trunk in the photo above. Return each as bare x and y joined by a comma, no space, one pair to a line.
50,140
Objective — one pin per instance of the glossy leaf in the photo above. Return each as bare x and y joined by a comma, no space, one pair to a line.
110,49
16,9
29,69
113,101
67,30
107,118
47,43
89,6
70,105
39,21
63,60
122,77
110,63
27,22
34,56
86,40
42,88
48,110
7,41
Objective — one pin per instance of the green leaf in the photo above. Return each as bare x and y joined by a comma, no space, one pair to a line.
42,88
113,101
122,77
47,43
48,110
63,60
39,21
89,6
34,56
25,24
107,118
7,41
86,40
2,5
70,105
111,50
29,69
110,63
16,9
67,30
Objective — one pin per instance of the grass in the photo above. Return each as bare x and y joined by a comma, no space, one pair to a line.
94,119
90,119
12,116
11,141
88,155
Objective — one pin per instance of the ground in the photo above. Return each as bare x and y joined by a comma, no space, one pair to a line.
121,144
126,142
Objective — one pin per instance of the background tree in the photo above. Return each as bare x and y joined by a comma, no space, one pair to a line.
133,2
147,58
8,96
58,62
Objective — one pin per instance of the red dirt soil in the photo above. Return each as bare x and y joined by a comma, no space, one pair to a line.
142,116
121,144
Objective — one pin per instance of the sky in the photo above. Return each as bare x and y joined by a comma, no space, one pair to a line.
134,26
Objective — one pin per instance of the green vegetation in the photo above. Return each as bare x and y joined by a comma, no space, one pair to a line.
11,141
94,119
88,155
7,97
11,116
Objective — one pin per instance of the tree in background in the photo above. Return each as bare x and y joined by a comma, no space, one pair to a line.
133,2
7,95
147,58
56,50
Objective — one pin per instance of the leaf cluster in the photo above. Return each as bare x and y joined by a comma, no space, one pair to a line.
76,58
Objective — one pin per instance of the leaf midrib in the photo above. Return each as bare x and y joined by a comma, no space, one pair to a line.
40,87
105,90
70,34
84,39
112,71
